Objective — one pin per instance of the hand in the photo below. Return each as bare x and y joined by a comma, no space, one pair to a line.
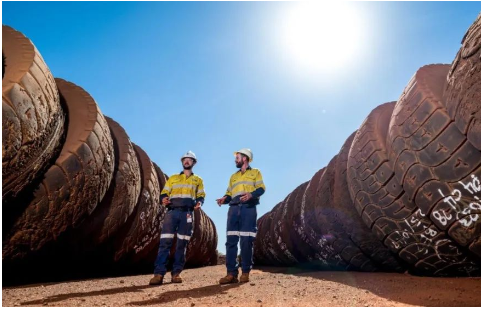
166,201
220,200
198,206
246,197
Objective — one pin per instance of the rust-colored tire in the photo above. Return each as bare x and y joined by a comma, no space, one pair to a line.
73,186
286,233
278,228
203,243
326,238
358,234
303,209
436,164
386,207
137,233
121,197
294,246
32,115
462,94
268,244
260,253
148,255
372,186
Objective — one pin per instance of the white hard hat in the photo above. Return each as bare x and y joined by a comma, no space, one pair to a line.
189,154
247,152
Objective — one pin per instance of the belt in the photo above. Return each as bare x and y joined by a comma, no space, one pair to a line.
242,203
182,208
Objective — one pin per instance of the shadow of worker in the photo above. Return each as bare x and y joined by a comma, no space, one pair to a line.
169,296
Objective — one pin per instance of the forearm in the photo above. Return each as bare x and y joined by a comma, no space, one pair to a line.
227,199
257,193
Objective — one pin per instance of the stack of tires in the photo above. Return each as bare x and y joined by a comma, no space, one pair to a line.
78,196
404,191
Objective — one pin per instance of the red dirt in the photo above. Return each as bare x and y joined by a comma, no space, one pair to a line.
269,286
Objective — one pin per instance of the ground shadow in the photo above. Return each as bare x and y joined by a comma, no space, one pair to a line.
169,296
61,297
404,288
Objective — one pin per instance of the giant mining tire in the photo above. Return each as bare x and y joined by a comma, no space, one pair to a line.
71,188
267,243
203,242
121,197
282,249
319,217
357,233
303,196
264,234
278,227
137,233
462,94
291,244
32,116
435,163
150,240
152,248
386,208
260,253
213,242
341,239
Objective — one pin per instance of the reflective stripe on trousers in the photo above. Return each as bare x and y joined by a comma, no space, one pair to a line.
175,223
241,226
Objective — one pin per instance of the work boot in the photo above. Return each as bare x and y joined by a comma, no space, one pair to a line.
176,278
244,278
156,280
229,279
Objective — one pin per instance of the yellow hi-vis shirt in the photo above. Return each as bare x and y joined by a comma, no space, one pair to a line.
249,182
184,191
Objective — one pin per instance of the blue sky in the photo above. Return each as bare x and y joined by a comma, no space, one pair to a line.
213,77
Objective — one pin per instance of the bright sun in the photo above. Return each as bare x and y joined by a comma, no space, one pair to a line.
322,36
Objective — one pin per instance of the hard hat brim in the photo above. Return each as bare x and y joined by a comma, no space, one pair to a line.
249,159
188,158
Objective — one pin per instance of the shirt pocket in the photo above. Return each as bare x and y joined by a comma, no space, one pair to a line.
249,181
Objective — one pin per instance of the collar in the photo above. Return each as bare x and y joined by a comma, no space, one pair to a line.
248,168
192,174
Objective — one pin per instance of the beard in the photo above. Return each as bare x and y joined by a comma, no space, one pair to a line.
189,167
239,164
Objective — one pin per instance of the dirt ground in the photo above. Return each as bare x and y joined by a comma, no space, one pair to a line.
271,286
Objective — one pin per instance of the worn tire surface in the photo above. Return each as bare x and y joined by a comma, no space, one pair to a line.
259,249
32,116
436,164
462,94
278,228
387,209
294,246
357,232
134,235
203,242
148,254
73,186
320,219
121,197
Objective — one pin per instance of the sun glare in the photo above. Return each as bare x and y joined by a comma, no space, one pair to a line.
322,36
